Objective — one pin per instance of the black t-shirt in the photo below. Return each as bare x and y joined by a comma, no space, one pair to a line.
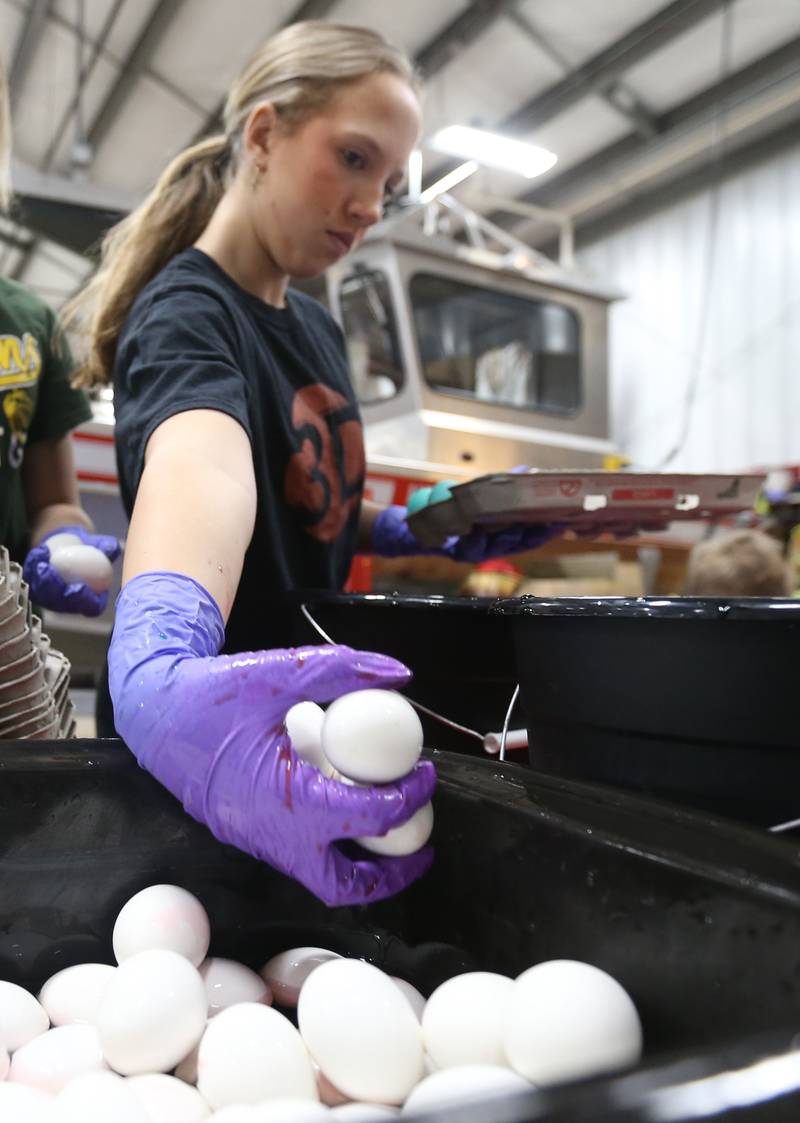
195,340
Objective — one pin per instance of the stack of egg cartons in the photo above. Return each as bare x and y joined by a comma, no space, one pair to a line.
34,679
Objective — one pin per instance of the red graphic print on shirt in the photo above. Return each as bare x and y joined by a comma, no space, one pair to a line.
325,477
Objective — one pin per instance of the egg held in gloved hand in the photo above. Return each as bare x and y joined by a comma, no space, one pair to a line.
211,729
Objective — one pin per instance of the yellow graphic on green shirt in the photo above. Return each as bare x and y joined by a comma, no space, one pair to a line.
20,360
18,409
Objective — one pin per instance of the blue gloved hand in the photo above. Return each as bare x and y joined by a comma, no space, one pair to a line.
50,590
393,538
211,729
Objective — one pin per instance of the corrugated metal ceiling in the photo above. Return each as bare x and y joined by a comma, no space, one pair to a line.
627,92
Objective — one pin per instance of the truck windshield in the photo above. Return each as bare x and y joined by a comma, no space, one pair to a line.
496,346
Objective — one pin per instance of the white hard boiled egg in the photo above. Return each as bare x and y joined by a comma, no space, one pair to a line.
304,726
286,972
50,1061
234,1113
21,1017
152,1013
361,1031
463,1084
414,997
73,995
99,1097
465,1018
5,1061
287,1110
364,1112
405,839
80,563
228,982
21,1104
568,1020
165,917
250,1053
167,1100
61,540
372,736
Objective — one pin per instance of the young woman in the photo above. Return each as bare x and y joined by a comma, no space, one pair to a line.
241,454
38,410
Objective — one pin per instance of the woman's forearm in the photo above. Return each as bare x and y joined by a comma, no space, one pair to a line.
195,505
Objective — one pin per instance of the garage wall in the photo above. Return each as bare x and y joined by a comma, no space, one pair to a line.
727,307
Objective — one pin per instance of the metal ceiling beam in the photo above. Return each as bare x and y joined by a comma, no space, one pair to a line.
308,9
78,227
32,183
430,59
73,213
35,17
26,256
605,68
607,165
620,97
7,238
135,65
312,9
603,71
460,33
639,204
97,48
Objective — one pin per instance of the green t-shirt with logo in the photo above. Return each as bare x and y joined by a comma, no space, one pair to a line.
36,400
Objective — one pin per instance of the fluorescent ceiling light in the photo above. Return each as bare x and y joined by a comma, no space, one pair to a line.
458,175
415,174
492,149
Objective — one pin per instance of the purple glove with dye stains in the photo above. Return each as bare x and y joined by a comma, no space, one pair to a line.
393,538
211,729
48,587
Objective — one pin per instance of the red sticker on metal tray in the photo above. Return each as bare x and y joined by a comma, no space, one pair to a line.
628,494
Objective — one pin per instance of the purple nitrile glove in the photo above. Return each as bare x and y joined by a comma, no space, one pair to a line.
393,538
50,590
211,729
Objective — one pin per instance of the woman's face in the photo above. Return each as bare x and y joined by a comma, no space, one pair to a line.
327,182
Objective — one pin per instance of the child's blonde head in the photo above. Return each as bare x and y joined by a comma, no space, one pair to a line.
742,563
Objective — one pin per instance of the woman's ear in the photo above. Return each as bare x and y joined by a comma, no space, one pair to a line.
259,132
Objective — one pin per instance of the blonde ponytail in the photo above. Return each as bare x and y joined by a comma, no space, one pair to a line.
171,218
297,70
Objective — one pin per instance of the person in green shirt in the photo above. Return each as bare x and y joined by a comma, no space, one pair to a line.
38,410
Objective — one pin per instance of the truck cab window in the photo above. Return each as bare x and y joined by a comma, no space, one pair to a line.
496,346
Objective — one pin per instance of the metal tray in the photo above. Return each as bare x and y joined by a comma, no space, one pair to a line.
585,500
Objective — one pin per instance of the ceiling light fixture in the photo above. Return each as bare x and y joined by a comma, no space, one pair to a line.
493,149
447,182
415,175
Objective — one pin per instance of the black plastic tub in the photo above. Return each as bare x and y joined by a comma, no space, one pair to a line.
461,654
698,918
690,699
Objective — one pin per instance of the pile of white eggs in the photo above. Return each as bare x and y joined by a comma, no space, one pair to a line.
170,1035
369,737
77,562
